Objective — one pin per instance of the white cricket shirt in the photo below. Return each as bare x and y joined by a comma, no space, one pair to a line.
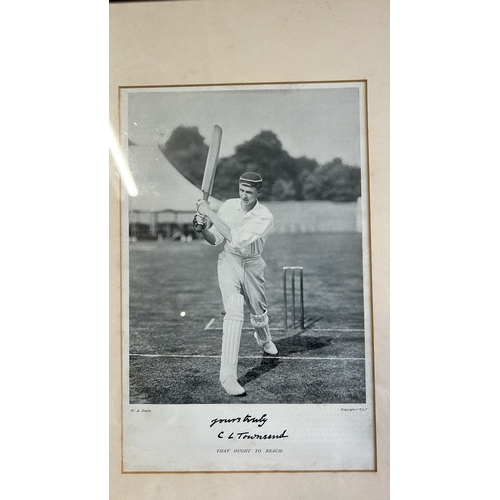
249,230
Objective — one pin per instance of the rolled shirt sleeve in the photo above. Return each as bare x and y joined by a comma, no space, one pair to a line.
218,236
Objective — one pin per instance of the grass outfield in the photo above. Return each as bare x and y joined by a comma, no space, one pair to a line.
176,325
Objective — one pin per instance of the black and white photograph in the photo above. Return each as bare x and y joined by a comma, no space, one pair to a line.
246,288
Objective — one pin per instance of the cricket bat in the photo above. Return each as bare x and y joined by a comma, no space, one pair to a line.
211,164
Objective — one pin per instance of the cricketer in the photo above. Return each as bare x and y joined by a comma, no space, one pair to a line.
243,224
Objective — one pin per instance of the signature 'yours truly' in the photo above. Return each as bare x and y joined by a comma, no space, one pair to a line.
246,419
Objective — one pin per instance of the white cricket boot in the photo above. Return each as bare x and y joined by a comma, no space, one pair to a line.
231,336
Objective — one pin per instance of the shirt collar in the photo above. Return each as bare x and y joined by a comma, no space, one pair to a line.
255,209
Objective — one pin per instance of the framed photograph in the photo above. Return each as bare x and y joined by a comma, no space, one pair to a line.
279,305
262,72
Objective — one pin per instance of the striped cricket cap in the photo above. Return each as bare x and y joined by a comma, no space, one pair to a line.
251,179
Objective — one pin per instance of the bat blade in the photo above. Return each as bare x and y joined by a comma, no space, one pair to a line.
211,163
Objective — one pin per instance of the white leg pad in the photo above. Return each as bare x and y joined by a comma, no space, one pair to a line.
261,324
231,336
262,333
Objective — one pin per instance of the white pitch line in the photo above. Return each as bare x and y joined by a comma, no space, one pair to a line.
307,329
209,324
240,357
336,329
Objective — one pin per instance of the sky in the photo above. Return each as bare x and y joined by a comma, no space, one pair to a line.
320,121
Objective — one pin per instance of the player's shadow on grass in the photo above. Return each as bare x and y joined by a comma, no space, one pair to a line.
295,344
299,343
264,365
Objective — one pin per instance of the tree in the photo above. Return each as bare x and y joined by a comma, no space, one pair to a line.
283,189
227,174
285,177
304,167
333,181
187,152
265,155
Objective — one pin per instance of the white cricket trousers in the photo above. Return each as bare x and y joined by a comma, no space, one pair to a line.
243,275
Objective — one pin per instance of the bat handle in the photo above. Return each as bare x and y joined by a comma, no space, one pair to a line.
205,198
198,227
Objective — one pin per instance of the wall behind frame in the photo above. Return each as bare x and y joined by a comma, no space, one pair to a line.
257,41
